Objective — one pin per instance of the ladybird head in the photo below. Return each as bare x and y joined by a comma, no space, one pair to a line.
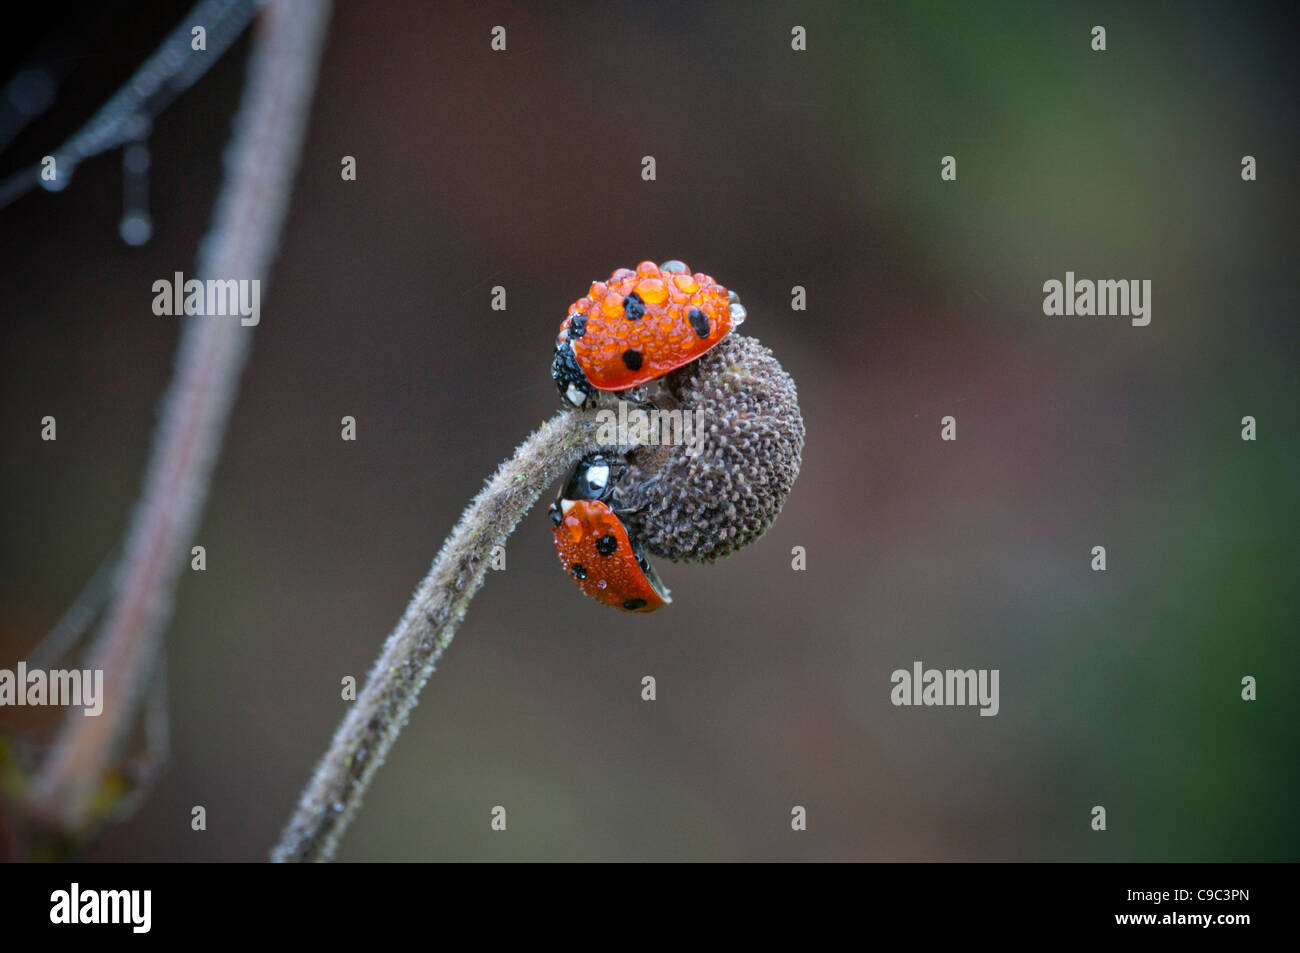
568,376
593,478
638,326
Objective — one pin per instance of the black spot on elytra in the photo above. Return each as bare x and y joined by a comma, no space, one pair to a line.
699,321
606,545
577,326
632,359
631,605
579,571
633,307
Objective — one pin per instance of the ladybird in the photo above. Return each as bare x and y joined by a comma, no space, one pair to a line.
593,543
638,326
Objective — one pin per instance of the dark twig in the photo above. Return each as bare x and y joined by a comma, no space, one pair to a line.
246,229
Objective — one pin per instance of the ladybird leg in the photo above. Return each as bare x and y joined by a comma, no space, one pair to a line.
651,576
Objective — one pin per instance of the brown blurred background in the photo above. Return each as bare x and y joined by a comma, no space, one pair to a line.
775,168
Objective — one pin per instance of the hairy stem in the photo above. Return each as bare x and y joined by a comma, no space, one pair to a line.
246,228
374,721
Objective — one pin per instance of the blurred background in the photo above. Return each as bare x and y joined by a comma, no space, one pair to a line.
775,168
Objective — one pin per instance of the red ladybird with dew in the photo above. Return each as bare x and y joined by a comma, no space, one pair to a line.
638,326
593,544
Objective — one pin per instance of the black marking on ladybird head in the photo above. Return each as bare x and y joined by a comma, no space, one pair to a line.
699,321
577,326
633,307
631,605
569,379
632,359
554,514
579,571
607,544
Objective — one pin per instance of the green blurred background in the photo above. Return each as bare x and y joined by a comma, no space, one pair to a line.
775,168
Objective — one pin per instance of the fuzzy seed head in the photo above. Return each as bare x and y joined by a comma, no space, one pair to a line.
699,508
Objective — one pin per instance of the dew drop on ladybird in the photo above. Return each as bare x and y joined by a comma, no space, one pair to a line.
574,526
612,303
652,291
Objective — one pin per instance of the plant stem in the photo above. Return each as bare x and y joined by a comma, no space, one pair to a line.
249,217
372,725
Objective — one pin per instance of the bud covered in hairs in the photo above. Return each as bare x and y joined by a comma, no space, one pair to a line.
690,503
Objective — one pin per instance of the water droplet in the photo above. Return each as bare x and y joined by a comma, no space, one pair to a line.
136,228
652,291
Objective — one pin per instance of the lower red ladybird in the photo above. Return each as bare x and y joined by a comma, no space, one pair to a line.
638,326
593,543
